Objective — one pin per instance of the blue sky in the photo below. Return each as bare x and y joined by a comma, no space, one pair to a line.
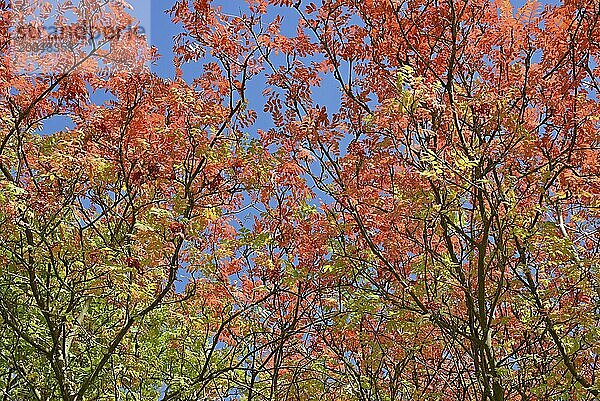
163,29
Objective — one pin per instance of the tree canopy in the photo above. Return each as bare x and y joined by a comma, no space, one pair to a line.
375,200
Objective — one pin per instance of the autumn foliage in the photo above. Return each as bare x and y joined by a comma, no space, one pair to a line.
339,200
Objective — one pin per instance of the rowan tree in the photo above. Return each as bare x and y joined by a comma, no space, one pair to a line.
426,230
115,232
459,189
